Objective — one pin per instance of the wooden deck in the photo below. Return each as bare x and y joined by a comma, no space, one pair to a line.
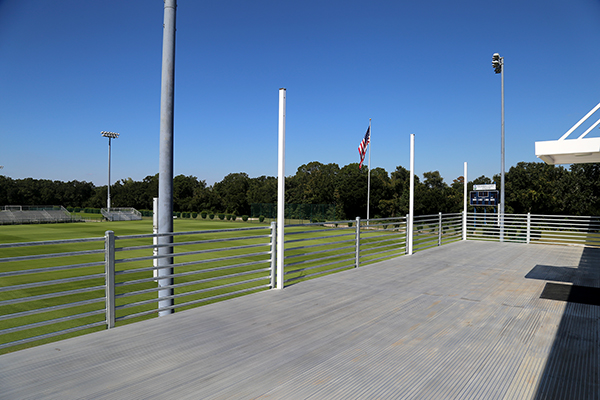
462,321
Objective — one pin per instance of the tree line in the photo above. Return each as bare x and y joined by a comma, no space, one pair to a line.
530,187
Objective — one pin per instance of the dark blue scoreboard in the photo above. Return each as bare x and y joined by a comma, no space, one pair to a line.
483,198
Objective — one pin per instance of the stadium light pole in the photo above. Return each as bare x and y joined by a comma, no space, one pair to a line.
498,64
109,135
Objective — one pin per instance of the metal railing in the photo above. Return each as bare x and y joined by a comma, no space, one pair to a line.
533,228
50,289
47,292
436,230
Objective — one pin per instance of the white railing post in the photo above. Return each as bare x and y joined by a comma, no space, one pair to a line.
109,268
357,256
528,227
440,230
273,253
406,236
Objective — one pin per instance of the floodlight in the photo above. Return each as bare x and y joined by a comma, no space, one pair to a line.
112,135
497,62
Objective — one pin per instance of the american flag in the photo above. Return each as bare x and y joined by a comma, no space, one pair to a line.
362,147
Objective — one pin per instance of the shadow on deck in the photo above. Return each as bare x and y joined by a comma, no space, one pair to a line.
466,320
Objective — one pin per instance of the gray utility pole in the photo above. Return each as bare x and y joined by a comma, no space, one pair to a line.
165,164
109,135
498,64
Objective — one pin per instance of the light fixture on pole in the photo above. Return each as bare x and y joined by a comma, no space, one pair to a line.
498,64
109,135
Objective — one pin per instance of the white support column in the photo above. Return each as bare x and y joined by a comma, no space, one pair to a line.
440,228
464,222
357,251
528,227
109,268
411,203
281,192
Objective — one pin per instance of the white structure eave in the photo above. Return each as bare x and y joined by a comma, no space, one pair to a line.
571,151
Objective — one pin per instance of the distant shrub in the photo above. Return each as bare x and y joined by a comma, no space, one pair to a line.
261,218
233,217
194,214
228,216
77,209
203,214
244,218
211,216
350,224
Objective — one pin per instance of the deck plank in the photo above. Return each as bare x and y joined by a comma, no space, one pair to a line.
462,321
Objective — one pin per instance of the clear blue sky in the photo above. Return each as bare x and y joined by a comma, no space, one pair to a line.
70,69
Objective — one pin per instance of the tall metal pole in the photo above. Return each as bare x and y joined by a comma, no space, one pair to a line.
464,221
498,64
165,165
109,135
502,166
108,199
369,174
411,201
281,191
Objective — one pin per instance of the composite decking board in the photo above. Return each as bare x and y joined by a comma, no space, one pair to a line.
460,321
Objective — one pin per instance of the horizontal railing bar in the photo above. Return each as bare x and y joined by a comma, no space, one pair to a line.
312,260
50,269
52,334
143,313
195,272
51,255
189,253
51,308
318,252
196,282
51,321
51,282
320,245
378,247
50,242
328,271
174,296
49,295
318,238
314,267
211,231
372,260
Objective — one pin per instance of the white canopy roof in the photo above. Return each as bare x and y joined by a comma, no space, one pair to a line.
571,151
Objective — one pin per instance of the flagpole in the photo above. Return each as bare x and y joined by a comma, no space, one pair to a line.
369,173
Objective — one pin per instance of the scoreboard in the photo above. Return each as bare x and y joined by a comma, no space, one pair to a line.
483,198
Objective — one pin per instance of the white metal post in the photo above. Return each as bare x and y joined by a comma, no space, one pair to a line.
109,269
528,227
411,202
281,191
273,253
502,167
155,238
440,229
464,222
369,174
357,255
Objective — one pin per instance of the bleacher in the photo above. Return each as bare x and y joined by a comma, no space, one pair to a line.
121,214
10,215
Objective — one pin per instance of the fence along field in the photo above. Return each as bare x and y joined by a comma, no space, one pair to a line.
203,270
